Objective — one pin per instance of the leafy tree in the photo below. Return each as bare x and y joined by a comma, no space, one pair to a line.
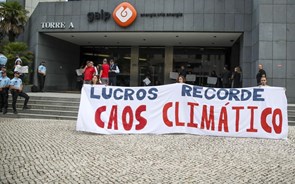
13,19
11,50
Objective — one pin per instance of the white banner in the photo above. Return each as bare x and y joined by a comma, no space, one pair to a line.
182,108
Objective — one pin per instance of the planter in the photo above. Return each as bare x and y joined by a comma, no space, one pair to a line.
27,88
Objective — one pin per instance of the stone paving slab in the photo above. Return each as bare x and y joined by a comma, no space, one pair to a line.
51,151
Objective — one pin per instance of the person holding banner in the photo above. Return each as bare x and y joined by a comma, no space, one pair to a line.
263,82
180,79
95,80
18,68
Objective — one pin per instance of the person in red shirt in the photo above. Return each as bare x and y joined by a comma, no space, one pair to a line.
104,72
89,71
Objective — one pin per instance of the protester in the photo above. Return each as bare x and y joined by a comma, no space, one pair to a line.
237,78
3,60
226,77
260,74
89,71
17,67
4,87
114,70
17,59
182,71
104,72
95,80
41,76
180,79
263,82
16,89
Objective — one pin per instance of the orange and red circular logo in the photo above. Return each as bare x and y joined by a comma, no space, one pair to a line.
124,14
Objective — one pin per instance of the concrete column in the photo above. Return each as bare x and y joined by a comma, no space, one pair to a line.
134,66
168,64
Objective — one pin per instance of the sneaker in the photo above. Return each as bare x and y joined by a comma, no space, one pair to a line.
15,112
4,111
26,107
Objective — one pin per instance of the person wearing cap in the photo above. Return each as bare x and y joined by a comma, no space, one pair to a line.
3,68
18,60
3,60
16,89
18,66
41,75
4,87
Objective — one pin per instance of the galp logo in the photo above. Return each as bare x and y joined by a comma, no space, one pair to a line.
124,14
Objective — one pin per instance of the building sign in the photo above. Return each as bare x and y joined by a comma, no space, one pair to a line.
124,14
102,15
56,25
161,15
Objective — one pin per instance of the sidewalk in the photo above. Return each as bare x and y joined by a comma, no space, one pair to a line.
51,151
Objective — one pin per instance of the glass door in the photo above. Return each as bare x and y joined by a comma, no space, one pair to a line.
151,65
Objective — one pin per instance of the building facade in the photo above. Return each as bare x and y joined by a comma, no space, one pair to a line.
154,38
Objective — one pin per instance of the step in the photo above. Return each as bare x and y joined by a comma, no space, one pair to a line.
48,107
291,123
36,116
45,111
291,107
48,102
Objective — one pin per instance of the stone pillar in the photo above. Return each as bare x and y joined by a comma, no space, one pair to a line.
134,66
168,66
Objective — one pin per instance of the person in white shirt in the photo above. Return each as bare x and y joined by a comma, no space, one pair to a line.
3,60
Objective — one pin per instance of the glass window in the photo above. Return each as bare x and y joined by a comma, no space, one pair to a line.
201,62
151,65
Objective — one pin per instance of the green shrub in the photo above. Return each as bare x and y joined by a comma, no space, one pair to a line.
11,50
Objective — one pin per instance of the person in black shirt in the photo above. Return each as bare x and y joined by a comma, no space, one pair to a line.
261,73
182,71
114,70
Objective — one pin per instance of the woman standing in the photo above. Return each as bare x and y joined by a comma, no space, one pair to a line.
237,78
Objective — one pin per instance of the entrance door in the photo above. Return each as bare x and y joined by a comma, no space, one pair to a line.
151,65
121,56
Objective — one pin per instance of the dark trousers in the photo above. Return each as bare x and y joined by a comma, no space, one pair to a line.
41,81
112,81
15,94
4,98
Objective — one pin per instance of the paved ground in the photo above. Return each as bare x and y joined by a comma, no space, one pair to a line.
51,151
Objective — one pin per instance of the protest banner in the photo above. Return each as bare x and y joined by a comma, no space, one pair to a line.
22,69
182,108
